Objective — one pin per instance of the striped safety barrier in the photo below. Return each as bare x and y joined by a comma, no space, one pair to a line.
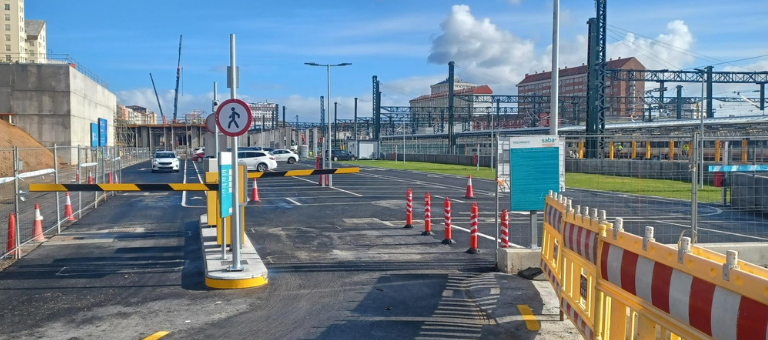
33,187
308,172
615,285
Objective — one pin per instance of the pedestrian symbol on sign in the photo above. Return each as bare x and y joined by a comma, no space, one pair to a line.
233,119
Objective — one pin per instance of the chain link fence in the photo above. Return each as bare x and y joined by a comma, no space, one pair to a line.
60,164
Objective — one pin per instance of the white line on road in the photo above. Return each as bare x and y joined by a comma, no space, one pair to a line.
334,188
292,201
486,236
452,199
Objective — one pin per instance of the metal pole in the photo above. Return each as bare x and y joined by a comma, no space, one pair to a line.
79,179
493,147
16,201
553,107
235,222
357,147
726,154
534,230
215,126
329,162
493,140
403,141
694,193
477,153
56,179
701,132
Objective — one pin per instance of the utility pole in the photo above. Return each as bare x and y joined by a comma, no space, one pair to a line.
451,140
357,151
335,123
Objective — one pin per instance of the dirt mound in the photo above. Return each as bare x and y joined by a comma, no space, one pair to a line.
34,155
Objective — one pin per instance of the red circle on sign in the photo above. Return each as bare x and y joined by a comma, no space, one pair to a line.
239,130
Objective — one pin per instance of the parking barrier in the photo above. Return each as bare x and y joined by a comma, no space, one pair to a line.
37,227
409,209
447,217
504,229
473,230
427,215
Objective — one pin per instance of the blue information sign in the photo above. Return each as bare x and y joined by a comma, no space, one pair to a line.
225,184
534,167
94,135
102,132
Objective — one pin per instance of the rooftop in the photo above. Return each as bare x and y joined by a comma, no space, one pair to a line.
565,72
33,27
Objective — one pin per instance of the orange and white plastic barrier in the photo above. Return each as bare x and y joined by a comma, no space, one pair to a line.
473,230
504,233
447,220
409,209
427,215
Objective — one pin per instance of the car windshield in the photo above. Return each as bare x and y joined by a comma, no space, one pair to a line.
165,155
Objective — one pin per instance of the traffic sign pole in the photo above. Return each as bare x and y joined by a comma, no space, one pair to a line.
235,225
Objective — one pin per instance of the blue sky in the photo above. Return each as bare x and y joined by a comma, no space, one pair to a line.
492,41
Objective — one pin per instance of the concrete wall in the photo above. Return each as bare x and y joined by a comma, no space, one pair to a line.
55,103
749,192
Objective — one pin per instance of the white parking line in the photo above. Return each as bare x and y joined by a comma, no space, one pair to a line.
292,201
452,199
334,188
486,236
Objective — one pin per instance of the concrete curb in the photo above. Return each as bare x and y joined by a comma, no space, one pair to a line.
216,274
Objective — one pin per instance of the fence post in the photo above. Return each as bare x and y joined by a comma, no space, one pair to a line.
56,179
16,252
79,176
694,188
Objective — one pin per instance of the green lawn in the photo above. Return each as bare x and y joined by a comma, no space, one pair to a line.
629,185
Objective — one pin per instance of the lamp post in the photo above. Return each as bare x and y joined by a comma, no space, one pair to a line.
328,163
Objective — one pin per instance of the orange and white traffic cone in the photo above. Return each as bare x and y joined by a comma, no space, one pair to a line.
68,209
470,193
255,192
10,244
109,177
37,228
90,178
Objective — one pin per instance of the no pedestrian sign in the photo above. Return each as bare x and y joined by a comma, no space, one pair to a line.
233,117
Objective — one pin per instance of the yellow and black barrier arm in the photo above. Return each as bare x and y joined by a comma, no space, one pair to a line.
33,187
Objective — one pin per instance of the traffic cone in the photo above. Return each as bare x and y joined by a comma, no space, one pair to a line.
255,192
68,209
470,193
37,228
90,177
109,177
11,243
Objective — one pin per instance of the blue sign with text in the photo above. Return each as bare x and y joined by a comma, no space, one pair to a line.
225,183
102,132
94,135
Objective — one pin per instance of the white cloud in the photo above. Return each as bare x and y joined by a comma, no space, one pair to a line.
486,53
399,92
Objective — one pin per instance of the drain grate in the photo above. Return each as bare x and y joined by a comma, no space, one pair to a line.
362,220
66,239
125,230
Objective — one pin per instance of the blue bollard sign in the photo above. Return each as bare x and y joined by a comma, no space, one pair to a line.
225,184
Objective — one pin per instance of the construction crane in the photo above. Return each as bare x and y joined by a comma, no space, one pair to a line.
176,94
158,98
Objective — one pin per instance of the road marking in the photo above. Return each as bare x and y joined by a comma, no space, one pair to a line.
452,199
292,201
157,335
448,293
530,320
334,188
486,236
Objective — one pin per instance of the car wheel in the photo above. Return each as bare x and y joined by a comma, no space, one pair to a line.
261,167
335,158
353,158
291,160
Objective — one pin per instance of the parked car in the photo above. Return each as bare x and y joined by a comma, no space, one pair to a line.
165,160
198,156
267,149
285,155
257,160
339,155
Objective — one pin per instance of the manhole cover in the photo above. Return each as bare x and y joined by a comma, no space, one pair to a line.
362,220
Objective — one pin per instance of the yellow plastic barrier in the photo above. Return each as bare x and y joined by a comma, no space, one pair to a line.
581,149
616,285
611,153
634,149
717,150
744,150
648,150
671,150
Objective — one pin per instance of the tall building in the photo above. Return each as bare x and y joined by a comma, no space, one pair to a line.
262,113
438,96
24,39
573,82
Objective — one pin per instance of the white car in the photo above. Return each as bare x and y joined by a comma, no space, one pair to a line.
257,160
285,155
165,160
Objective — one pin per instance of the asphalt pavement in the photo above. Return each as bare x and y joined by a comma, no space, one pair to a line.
341,267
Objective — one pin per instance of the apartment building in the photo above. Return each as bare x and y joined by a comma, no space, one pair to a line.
25,40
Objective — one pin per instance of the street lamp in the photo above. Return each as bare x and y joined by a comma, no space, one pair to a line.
327,164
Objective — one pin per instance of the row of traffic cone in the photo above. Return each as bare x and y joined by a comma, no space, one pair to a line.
37,226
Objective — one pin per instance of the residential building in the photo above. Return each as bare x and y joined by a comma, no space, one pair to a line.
14,31
36,46
262,113
438,96
624,98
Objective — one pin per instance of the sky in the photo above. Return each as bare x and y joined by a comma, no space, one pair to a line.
407,44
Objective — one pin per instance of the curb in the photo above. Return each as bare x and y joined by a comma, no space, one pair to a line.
216,274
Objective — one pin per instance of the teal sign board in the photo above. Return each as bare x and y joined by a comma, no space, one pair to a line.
94,135
534,168
225,184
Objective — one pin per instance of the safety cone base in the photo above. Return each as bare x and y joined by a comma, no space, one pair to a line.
427,233
408,226
473,251
448,241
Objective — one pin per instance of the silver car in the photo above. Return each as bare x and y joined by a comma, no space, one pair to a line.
165,160
285,155
257,160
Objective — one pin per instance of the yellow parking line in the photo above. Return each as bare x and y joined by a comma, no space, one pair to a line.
530,320
157,335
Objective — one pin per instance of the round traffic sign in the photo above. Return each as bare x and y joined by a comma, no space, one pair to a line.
210,123
233,117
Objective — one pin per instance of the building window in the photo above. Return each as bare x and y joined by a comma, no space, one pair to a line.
7,48
7,17
7,27
7,37
7,7
7,57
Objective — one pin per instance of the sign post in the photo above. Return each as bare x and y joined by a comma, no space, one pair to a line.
225,196
233,118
